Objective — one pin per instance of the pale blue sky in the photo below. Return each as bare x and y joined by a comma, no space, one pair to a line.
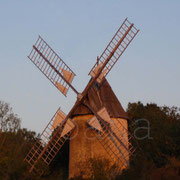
79,30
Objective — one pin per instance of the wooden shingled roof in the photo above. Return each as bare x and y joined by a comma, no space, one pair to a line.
102,96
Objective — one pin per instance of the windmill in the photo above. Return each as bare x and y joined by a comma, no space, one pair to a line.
96,110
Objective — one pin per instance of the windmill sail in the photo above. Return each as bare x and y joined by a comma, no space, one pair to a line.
52,66
50,141
68,127
94,123
114,50
115,141
67,75
60,116
62,88
113,137
104,115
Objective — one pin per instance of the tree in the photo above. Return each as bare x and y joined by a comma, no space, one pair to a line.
8,120
14,144
12,153
158,154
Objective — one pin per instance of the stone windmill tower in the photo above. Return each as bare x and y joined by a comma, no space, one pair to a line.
97,124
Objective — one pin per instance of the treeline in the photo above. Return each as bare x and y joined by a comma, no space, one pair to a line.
158,137
14,144
157,141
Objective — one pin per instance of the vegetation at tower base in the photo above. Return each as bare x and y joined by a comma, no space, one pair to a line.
157,156
100,170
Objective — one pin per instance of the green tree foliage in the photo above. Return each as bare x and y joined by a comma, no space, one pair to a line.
159,152
14,147
8,120
14,144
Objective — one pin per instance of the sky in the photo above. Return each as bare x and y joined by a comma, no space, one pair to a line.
79,31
